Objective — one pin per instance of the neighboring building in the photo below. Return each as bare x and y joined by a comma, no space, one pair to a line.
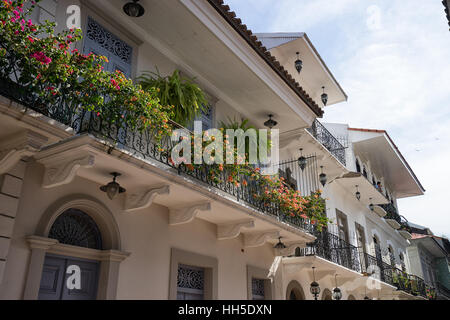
178,235
428,257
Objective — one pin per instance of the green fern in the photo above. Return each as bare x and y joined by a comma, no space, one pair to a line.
184,94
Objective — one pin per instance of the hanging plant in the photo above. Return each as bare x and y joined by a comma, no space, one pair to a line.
186,97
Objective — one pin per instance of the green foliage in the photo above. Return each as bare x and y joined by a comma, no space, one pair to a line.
184,95
58,75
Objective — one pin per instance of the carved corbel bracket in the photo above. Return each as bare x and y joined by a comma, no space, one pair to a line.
187,214
15,147
260,238
143,198
60,170
232,230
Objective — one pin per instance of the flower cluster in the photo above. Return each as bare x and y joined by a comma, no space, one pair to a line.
50,68
270,191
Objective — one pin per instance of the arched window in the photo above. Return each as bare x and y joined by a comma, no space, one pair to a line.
391,255
76,228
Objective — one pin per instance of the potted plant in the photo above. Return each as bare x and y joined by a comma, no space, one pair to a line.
186,97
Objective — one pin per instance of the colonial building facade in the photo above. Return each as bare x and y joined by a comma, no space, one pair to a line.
174,234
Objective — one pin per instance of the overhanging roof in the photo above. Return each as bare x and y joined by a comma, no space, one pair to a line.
252,40
430,243
315,73
386,158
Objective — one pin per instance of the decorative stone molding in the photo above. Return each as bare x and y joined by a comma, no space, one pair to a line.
60,171
143,198
186,215
290,248
259,239
232,230
14,148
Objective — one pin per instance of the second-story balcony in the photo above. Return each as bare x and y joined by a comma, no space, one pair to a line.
396,221
87,128
318,131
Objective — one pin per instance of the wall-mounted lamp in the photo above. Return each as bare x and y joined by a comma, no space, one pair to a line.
314,287
324,97
298,63
113,188
280,245
337,294
134,9
270,123
323,177
358,194
302,160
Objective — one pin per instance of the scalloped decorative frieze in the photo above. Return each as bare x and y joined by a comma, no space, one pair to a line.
233,230
143,198
15,147
60,171
258,239
187,214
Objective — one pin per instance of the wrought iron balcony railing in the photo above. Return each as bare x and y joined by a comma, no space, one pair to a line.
325,137
334,249
392,213
141,144
330,247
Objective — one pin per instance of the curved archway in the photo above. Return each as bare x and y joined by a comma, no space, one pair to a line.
351,297
326,295
295,291
76,228
97,211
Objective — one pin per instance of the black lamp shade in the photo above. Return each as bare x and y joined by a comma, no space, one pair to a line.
302,162
134,9
280,245
337,294
112,188
270,123
323,179
324,97
358,195
298,65
314,288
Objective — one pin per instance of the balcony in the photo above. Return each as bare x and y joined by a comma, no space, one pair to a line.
325,137
330,247
142,145
396,221
338,251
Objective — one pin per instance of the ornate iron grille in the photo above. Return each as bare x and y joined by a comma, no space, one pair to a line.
334,249
108,41
325,137
258,289
305,181
76,228
191,278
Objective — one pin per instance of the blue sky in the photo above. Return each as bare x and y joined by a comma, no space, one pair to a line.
392,58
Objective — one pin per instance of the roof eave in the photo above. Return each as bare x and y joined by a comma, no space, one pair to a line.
252,40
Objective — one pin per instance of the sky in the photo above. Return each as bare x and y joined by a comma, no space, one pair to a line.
392,58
